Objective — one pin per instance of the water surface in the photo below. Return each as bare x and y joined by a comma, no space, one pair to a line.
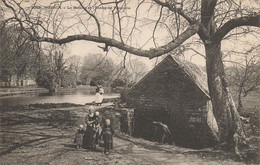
76,96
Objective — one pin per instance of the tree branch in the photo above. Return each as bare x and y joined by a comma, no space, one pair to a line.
18,20
119,23
151,53
253,20
92,15
156,26
178,10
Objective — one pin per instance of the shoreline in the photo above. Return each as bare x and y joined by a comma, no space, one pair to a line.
11,91
21,90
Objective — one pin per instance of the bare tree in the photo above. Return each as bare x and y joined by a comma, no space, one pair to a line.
75,63
52,72
137,70
130,73
17,53
244,76
96,69
178,21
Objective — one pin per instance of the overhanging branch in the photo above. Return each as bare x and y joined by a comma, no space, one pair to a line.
151,53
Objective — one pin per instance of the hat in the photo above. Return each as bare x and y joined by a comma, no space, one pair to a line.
91,108
97,113
81,126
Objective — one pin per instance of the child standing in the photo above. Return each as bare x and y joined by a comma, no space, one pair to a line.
79,137
107,134
97,127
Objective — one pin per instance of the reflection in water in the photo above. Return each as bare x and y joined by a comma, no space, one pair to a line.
76,97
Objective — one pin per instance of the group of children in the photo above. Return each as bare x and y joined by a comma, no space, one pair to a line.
96,130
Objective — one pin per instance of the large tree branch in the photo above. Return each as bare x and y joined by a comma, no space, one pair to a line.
151,53
234,23
174,9
18,20
202,32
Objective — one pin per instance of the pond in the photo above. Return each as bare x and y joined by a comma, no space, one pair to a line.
74,95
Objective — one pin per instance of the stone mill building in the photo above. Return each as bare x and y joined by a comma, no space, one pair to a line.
175,93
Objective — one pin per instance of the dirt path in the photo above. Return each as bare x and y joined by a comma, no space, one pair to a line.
45,136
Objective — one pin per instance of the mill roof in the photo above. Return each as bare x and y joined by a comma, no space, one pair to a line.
196,74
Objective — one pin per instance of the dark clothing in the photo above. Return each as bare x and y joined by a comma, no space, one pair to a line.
97,89
98,120
89,136
107,134
101,91
97,128
90,120
107,146
162,133
79,138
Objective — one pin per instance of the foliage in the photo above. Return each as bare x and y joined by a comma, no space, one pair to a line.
98,80
44,78
54,72
118,83
74,64
123,94
96,69
18,55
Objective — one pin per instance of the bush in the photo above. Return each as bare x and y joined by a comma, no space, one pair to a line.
97,81
45,79
118,83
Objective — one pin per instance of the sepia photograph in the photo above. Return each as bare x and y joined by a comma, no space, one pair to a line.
95,82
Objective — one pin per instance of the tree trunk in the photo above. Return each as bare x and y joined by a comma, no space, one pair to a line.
224,110
240,104
18,83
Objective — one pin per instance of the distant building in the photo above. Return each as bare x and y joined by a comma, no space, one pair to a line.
8,80
175,93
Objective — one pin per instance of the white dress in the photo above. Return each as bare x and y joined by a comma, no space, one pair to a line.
99,96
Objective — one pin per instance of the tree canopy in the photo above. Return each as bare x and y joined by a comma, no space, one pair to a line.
119,23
